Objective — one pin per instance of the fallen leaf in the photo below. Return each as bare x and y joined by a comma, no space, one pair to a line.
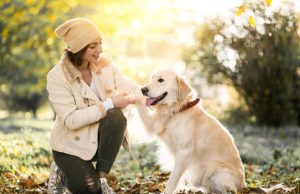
27,183
279,188
9,175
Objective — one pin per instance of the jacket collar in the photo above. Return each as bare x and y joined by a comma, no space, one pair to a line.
71,72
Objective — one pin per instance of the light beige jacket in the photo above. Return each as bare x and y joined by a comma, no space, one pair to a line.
78,110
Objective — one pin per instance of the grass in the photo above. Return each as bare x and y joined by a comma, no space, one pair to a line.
270,155
25,150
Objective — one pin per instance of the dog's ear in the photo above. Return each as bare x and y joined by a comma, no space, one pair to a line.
183,88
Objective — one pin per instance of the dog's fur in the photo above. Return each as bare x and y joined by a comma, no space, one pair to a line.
201,146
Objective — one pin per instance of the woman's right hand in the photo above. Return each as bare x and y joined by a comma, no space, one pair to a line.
121,100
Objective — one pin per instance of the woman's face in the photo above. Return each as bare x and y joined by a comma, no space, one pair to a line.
93,51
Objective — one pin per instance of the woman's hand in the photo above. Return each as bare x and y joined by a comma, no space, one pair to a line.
122,100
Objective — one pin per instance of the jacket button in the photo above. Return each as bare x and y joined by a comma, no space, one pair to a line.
77,138
108,91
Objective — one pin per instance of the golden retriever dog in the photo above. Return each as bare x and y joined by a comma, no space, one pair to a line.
201,146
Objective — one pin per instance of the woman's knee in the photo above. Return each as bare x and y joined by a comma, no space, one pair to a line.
88,186
116,115
93,186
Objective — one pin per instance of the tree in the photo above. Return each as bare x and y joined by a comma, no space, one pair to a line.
255,49
28,49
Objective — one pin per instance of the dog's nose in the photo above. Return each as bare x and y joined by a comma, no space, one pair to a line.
144,90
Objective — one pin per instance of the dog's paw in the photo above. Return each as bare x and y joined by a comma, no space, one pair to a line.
140,101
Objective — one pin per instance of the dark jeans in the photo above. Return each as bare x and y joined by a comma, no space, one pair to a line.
80,176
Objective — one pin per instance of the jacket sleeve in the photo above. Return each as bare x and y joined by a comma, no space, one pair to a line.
124,84
63,102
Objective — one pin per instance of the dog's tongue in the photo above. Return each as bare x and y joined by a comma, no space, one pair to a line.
149,101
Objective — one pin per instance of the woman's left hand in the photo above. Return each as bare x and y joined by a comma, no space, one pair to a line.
122,100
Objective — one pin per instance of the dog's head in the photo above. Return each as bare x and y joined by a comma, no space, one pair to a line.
166,87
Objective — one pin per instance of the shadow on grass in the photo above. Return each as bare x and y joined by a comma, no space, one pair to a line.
9,125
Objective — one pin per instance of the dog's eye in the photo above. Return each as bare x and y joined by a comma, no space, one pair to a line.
160,80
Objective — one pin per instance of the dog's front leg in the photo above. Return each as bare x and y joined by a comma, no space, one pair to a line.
146,116
176,174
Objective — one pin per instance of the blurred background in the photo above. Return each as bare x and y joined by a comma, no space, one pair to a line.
242,58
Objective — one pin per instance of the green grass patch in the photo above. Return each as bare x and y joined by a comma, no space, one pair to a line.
24,150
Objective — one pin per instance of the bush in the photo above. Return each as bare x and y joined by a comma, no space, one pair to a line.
255,49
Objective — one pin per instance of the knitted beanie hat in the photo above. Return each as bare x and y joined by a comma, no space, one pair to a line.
77,33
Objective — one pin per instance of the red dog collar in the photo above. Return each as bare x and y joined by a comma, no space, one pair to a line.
189,105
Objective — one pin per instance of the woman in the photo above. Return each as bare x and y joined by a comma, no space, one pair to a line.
87,93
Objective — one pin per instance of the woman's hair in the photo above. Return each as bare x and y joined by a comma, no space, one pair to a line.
76,58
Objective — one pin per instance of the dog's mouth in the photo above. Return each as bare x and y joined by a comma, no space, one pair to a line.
154,100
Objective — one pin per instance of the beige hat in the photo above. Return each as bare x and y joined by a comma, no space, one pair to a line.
77,33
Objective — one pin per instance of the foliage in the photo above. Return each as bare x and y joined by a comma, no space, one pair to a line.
255,49
29,48
25,155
